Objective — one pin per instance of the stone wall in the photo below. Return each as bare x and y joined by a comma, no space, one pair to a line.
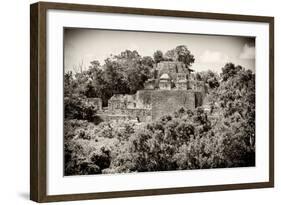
148,105
118,103
181,85
196,85
199,98
143,99
115,117
168,101
142,115
171,68
116,106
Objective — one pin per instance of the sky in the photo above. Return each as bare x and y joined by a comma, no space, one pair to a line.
211,52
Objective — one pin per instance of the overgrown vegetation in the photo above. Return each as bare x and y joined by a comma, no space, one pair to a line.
124,73
220,134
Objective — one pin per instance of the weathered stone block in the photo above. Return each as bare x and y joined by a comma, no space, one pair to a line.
171,68
168,101
143,99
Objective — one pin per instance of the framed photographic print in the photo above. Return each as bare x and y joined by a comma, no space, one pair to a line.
134,102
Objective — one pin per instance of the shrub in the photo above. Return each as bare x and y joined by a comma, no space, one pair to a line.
73,157
76,107
187,139
101,158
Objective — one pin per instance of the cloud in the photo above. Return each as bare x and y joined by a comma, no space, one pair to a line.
248,52
213,57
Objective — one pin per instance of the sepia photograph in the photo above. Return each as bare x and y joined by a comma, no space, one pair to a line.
140,101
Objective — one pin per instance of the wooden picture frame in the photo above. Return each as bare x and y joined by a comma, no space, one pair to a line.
38,101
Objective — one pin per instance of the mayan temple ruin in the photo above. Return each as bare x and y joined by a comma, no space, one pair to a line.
171,88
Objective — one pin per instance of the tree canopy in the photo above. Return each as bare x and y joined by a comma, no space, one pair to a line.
224,136
123,73
180,53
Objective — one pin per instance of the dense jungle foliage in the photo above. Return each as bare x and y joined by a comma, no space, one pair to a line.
221,136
